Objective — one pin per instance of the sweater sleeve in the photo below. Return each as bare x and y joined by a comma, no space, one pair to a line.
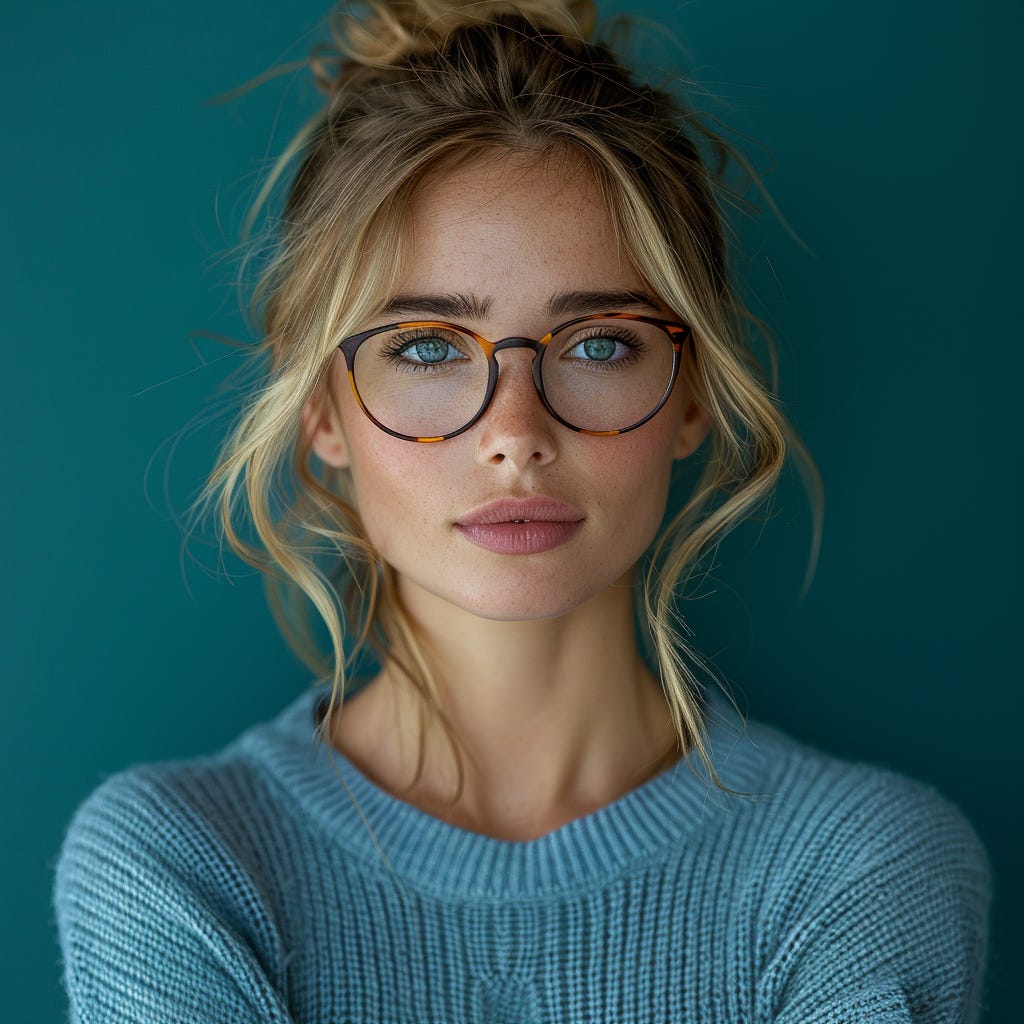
148,922
900,934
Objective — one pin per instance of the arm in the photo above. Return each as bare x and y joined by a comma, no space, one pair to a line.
147,921
901,936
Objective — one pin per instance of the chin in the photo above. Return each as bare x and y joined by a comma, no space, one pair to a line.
519,592
499,611
530,600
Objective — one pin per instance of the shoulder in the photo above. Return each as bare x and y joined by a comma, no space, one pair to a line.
189,830
872,888
855,813
215,808
171,810
166,894
814,828
170,842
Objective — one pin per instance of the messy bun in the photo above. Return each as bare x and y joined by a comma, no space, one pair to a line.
417,87
399,29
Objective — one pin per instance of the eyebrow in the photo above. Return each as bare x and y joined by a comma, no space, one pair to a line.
454,305
469,307
571,303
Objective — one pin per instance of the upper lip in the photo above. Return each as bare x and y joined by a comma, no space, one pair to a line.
507,510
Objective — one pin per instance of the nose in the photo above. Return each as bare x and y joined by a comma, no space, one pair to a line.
516,430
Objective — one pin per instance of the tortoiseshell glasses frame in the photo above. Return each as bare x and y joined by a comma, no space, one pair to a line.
676,332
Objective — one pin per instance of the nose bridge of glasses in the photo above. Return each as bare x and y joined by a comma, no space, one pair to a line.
509,343
531,344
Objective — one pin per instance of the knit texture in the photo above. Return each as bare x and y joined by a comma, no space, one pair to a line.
247,887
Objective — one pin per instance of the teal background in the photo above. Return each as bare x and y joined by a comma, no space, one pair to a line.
894,132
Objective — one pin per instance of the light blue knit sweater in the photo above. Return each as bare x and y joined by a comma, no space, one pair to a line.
246,887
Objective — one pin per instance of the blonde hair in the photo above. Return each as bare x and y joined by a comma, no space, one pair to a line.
414,88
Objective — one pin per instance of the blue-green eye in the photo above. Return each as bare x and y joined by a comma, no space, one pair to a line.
431,350
601,349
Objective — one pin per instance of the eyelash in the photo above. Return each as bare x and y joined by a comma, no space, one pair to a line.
630,340
393,353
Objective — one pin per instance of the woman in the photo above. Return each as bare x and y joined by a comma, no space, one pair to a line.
499,314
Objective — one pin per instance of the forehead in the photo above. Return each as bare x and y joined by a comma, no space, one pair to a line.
500,222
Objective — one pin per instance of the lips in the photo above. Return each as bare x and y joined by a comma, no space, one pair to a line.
520,526
512,510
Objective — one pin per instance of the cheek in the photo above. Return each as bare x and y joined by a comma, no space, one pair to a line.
379,498
633,473
646,454
396,484
369,468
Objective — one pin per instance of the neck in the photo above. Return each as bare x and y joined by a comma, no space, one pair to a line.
555,718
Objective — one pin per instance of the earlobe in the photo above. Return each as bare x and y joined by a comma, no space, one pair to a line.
322,424
693,429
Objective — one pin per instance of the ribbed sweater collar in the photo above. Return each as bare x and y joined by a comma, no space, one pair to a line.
435,856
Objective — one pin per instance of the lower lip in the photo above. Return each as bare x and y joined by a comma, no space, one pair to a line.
519,538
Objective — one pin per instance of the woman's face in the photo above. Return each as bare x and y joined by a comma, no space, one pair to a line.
507,237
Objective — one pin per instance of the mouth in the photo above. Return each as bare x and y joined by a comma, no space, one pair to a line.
521,526
520,511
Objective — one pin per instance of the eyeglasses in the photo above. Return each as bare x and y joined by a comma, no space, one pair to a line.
424,380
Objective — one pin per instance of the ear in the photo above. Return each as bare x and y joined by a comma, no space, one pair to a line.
693,428
322,424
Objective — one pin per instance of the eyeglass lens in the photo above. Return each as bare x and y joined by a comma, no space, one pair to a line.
600,375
